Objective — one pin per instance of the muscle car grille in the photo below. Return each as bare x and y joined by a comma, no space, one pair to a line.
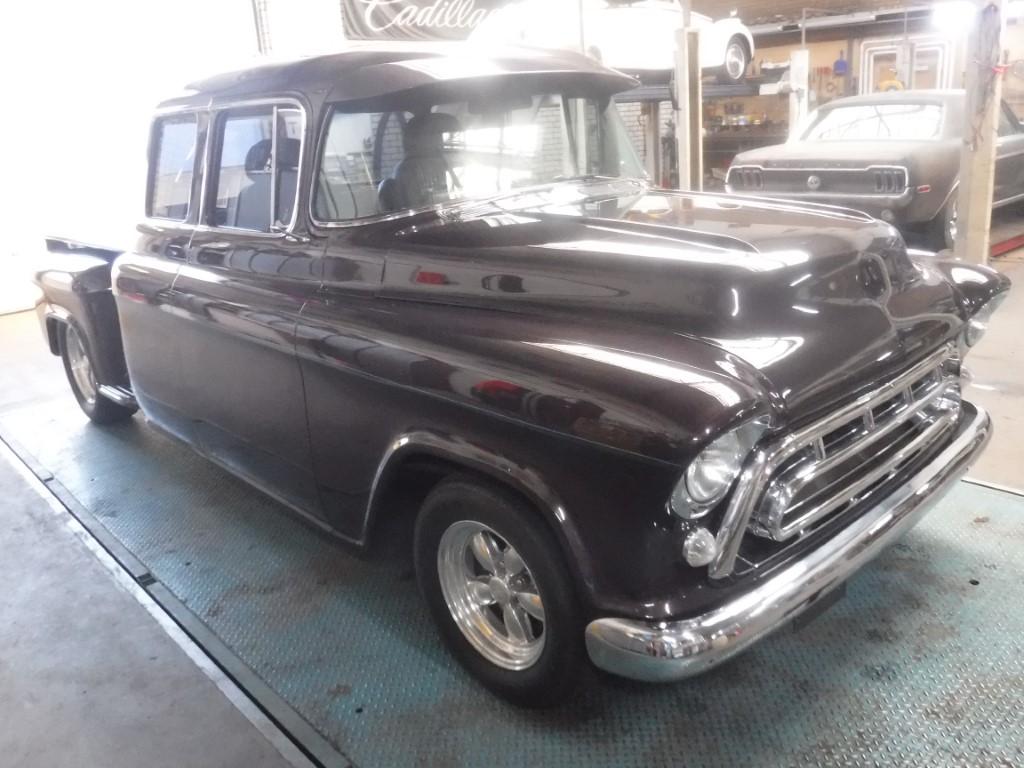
879,180
837,463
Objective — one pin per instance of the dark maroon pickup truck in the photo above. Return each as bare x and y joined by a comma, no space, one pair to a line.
653,426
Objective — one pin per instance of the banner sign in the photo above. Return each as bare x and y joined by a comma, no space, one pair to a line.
415,19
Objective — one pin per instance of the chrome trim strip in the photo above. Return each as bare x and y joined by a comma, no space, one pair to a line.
673,650
741,506
793,195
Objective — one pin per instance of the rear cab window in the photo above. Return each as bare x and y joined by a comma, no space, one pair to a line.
172,166
256,168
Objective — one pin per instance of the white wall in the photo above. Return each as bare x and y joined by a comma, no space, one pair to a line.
304,27
79,79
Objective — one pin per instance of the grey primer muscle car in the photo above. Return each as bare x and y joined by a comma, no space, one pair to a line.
649,424
894,155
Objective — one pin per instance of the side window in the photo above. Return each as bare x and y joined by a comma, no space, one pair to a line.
171,167
257,168
360,151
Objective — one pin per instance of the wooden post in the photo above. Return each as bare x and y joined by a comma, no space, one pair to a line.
799,88
981,122
689,127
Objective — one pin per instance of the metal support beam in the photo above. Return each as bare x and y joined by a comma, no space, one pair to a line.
983,82
689,120
262,26
652,139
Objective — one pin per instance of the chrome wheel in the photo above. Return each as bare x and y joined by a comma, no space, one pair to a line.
81,368
491,595
735,60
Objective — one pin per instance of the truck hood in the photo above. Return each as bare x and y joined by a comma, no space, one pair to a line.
846,154
810,302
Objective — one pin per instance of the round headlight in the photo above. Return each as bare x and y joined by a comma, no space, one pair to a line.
978,323
709,475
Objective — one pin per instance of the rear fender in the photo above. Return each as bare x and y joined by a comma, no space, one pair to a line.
76,289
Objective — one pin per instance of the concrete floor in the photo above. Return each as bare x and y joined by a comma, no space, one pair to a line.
88,676
997,364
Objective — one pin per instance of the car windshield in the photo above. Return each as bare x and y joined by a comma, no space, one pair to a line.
912,122
392,159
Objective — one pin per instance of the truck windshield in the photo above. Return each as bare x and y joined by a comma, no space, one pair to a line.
380,162
909,122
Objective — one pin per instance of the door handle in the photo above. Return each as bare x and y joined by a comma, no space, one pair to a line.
175,251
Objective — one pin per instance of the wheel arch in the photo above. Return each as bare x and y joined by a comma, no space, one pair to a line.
445,456
747,40
54,324
724,30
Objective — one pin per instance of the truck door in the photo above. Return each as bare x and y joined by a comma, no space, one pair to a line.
143,276
343,339
251,267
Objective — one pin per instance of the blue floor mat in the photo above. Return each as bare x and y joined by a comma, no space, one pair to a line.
921,664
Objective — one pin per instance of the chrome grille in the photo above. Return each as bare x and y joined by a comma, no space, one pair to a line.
806,477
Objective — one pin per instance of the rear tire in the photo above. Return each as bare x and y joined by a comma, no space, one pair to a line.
496,584
74,351
943,228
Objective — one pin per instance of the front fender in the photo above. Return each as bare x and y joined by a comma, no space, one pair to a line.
973,285
458,451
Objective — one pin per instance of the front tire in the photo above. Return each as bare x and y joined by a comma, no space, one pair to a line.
496,584
737,59
80,371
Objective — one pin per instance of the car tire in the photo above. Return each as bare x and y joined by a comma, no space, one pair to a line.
521,632
737,59
74,351
942,229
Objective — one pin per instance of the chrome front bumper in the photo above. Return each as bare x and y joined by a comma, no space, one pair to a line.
673,650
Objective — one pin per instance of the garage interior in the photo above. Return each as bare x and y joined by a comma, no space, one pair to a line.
161,611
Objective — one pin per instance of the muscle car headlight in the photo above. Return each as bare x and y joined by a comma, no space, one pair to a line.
978,323
710,475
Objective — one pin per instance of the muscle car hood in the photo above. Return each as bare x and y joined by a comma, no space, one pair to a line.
847,154
812,302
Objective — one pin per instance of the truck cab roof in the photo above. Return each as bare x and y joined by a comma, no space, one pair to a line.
362,71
